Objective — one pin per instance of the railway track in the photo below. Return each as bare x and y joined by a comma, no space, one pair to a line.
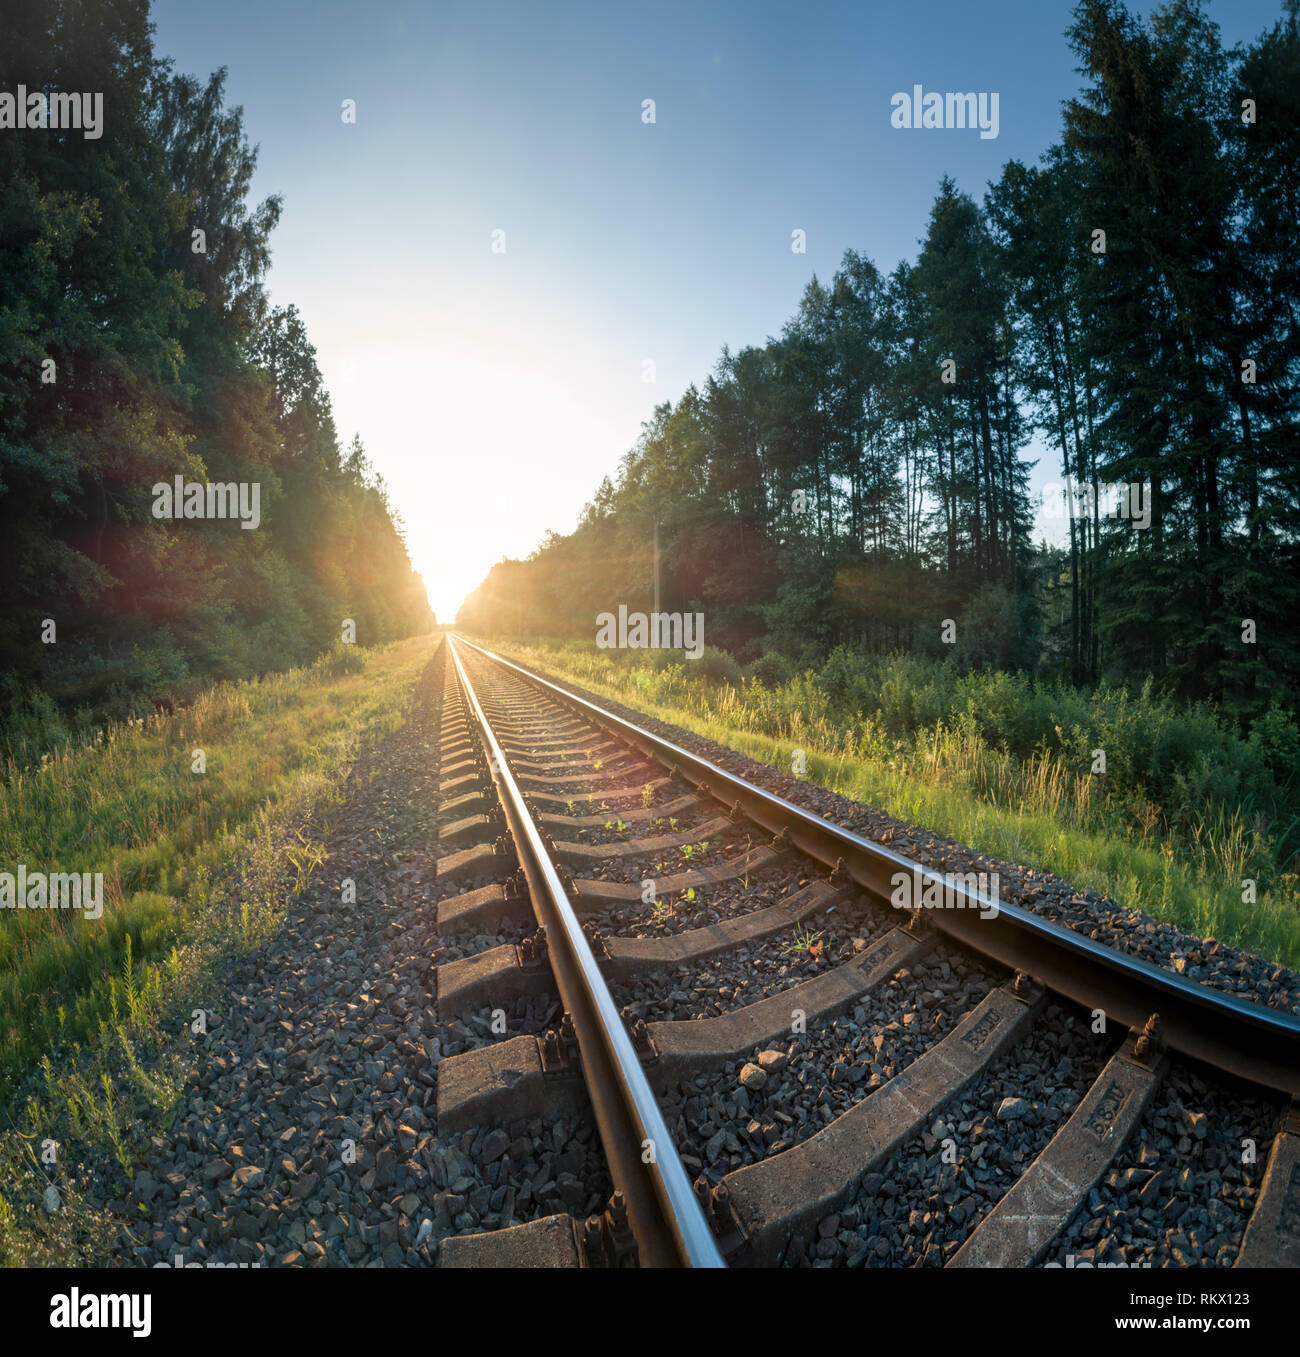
818,1076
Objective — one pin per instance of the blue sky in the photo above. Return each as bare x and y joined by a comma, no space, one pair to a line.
494,390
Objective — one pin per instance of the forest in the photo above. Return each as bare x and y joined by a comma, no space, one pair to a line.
1127,307
139,348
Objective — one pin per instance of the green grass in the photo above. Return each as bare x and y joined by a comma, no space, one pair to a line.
1041,811
197,868
128,804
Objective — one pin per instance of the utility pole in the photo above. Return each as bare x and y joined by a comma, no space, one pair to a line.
656,563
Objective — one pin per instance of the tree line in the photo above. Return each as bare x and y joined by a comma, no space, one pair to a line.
137,344
1128,303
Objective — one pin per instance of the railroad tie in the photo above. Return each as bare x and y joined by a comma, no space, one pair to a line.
1020,1228
783,1197
1272,1237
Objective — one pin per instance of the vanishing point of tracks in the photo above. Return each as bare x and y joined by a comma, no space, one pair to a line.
588,860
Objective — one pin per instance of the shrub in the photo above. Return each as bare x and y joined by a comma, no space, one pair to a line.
986,635
341,659
771,670
715,666
659,660
1275,736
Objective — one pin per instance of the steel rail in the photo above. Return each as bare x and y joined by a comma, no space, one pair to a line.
664,1214
1240,1039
